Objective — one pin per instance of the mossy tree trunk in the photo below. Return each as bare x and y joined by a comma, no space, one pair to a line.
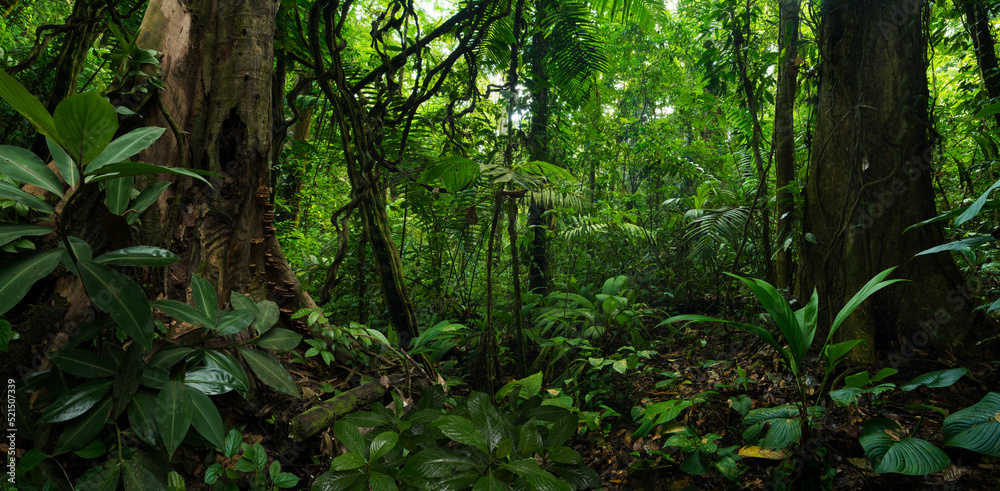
870,179
784,138
217,62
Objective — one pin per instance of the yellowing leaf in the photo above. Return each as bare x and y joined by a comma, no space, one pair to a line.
762,453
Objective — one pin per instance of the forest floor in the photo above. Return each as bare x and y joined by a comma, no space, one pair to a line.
715,366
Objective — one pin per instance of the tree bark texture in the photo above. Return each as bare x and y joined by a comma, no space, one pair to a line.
977,22
784,138
870,179
538,149
217,59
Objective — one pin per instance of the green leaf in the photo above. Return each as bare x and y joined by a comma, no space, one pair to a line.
785,426
183,312
546,170
154,377
118,194
526,387
834,353
340,481
976,427
174,413
776,305
92,450
234,321
875,284
279,339
270,371
987,111
145,199
86,124
18,274
6,333
142,417
382,444
139,473
10,233
167,357
347,462
213,473
381,482
455,173
958,245
286,480
232,443
977,205
24,166
12,192
350,436
206,419
889,452
128,169
70,172
225,361
211,381
257,455
125,146
437,462
83,429
23,102
937,379
128,378
462,431
204,297
120,297
538,479
138,256
83,363
267,316
75,401
564,455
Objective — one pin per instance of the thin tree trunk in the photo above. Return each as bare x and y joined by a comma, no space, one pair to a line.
538,149
977,22
784,138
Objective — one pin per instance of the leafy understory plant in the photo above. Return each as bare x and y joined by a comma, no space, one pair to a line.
252,460
798,328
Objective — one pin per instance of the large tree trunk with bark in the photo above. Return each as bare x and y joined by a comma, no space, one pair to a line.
870,179
784,138
217,59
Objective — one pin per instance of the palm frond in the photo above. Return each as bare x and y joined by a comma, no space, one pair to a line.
583,225
713,229
577,50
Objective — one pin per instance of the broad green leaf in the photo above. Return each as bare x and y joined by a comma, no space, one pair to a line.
857,380
23,102
24,166
489,482
937,379
564,455
118,194
154,377
454,173
142,417
140,473
83,363
82,430
234,321
240,301
659,413
183,312
211,381
546,170
225,361
138,256
987,111
125,146
76,401
86,123
174,413
958,245
437,462
890,452
128,378
381,482
462,431
14,193
10,233
350,436
525,387
279,339
347,462
270,371
120,297
490,423
206,419
18,274
340,481
836,352
875,284
848,396
70,172
205,299
267,316
145,199
91,450
976,427
167,357
232,443
784,426
538,479
285,480
128,169
776,305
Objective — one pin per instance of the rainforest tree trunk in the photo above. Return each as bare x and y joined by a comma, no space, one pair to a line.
870,179
538,149
784,138
217,59
977,21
